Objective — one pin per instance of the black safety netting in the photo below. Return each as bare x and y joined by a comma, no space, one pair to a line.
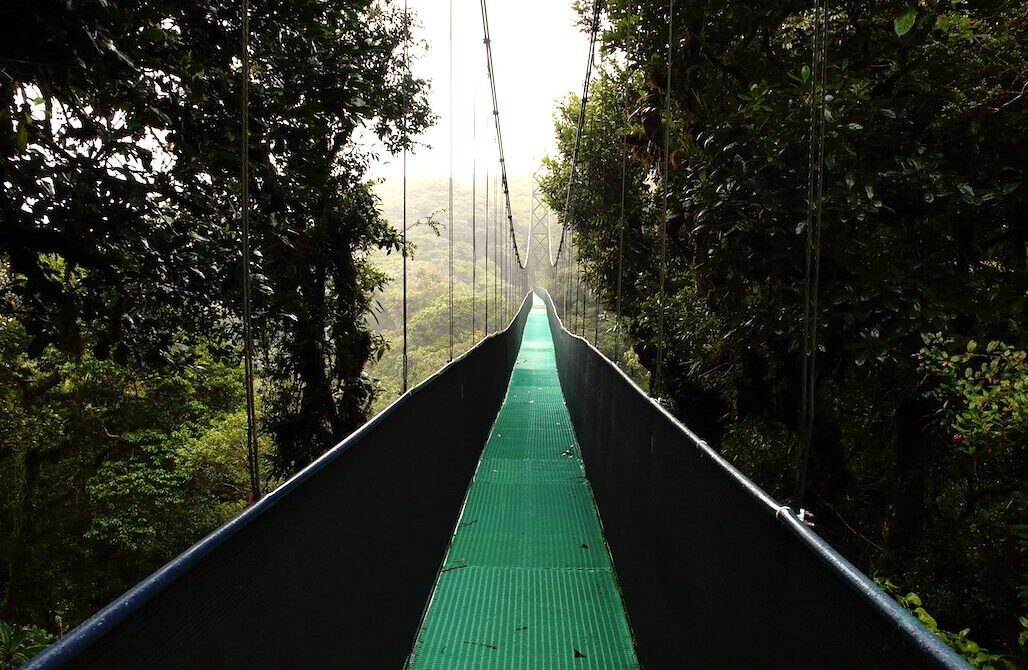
714,573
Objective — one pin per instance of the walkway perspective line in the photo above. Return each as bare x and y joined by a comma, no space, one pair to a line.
528,581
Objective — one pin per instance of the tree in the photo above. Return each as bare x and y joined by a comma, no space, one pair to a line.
120,265
924,233
122,153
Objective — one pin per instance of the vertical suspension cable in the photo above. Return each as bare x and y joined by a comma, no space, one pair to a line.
504,269
582,291
485,330
572,286
474,211
812,270
572,274
252,455
573,282
584,282
496,257
505,274
565,283
504,277
552,270
450,183
506,285
562,282
575,262
586,295
512,267
580,295
659,377
406,110
621,237
569,267
566,279
577,278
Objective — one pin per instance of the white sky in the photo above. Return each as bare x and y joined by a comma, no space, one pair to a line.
539,56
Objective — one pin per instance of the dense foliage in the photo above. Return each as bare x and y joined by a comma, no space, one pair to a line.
918,463
120,271
111,470
20,643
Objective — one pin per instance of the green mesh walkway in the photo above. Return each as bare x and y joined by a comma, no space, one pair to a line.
527,582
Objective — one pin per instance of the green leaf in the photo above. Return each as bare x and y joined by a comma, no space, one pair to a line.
805,73
905,21
927,619
23,137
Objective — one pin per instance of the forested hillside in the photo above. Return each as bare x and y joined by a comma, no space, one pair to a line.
917,469
428,268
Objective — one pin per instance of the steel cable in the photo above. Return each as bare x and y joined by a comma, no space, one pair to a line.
474,211
406,111
621,239
450,182
487,40
661,299
252,453
565,217
812,271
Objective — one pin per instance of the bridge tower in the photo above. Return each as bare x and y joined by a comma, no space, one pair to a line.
540,272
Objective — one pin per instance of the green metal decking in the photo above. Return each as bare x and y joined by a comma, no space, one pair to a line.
527,583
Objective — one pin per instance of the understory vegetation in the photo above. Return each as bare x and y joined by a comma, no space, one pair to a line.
918,463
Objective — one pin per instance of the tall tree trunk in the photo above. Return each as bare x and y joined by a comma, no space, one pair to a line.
906,513
17,596
1019,252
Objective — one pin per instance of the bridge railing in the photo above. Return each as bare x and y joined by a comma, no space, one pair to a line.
714,573
332,569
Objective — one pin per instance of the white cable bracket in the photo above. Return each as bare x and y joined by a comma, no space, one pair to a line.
806,516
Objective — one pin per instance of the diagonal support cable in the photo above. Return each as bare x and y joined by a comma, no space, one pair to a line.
499,134
564,219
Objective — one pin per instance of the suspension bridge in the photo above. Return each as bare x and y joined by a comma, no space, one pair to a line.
527,507
461,528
